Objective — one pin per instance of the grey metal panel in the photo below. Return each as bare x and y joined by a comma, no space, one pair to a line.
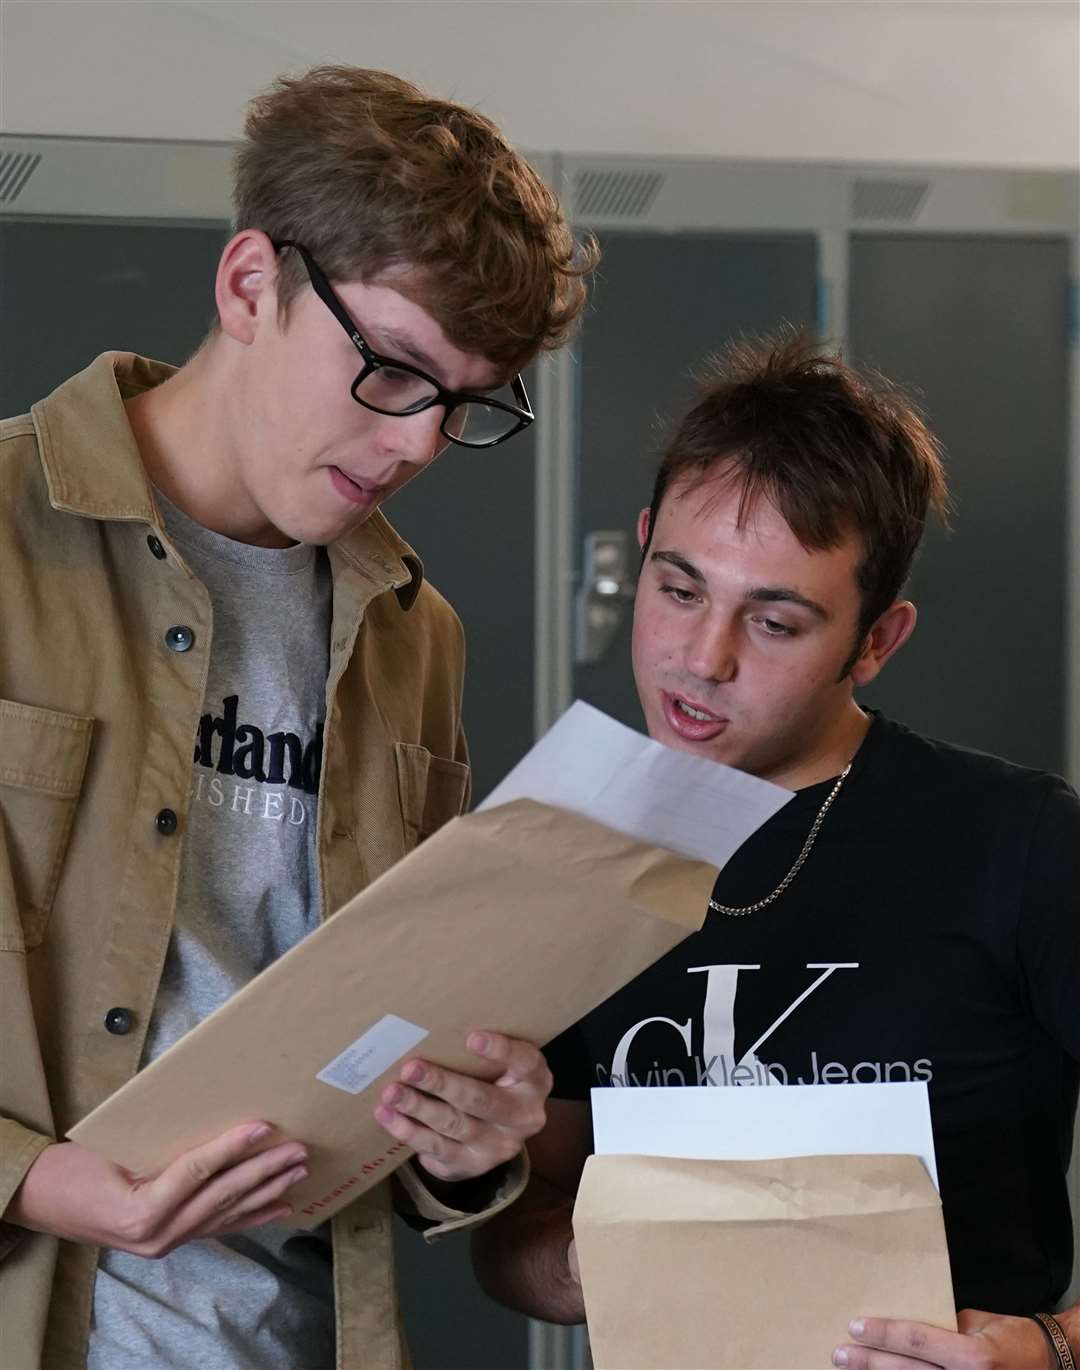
977,325
661,305
450,1324
688,194
471,518
131,178
71,290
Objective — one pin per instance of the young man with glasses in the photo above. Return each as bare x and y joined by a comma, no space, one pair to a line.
228,701
911,914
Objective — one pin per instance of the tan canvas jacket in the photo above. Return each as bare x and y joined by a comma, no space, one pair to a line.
98,719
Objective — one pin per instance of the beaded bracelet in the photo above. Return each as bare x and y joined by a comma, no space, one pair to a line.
1057,1339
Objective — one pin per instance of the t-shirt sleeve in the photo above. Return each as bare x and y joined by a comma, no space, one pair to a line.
568,1060
1050,918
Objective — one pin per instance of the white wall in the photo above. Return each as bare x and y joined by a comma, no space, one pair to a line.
962,83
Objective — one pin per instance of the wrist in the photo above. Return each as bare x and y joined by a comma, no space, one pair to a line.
1058,1343
29,1205
470,1195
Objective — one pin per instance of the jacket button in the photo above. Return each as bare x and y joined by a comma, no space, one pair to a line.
119,1021
165,822
180,639
155,546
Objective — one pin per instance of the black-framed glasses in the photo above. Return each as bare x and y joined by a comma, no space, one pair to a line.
389,386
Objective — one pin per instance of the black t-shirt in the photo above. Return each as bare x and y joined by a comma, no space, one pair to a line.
933,934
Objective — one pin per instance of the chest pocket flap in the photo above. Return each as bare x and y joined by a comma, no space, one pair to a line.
43,757
433,789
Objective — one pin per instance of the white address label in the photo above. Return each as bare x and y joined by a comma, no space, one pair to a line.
377,1050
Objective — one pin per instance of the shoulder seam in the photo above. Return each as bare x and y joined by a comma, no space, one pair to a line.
21,427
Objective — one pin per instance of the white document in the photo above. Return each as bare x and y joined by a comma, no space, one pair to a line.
593,766
762,1122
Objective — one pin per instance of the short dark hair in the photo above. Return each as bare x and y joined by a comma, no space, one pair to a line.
369,172
835,450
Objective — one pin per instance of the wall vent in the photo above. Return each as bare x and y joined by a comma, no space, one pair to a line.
615,194
16,168
899,201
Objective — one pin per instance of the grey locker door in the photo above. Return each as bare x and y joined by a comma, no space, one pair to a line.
977,325
662,304
71,290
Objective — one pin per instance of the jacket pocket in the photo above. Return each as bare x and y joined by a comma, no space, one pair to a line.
43,757
432,790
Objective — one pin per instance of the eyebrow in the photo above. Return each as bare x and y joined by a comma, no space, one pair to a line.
757,594
401,344
681,564
781,594
398,343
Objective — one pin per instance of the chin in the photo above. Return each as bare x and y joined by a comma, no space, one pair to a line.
322,532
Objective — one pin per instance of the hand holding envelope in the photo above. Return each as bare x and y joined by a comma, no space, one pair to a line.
767,1217
461,1127
983,1339
543,910
227,1184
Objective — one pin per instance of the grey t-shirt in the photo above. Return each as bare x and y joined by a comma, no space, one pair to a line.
249,890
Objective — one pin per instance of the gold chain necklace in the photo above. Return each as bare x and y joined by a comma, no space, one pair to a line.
800,860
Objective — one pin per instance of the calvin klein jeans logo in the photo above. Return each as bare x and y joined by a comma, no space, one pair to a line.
717,1064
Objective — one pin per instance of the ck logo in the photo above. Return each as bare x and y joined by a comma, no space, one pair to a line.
717,1063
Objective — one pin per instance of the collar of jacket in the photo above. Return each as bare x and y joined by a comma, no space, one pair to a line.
93,468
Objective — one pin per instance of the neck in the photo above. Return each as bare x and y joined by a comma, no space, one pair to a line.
188,446
829,753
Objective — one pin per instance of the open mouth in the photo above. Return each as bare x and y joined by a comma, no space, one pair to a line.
691,712
356,492
689,720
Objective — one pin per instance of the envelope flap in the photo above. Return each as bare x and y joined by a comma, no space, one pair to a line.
650,1189
553,839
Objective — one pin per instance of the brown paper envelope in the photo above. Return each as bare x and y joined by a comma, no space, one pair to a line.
520,919
754,1265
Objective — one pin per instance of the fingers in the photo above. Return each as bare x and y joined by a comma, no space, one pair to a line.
521,1061
195,1168
266,1199
222,1183
474,1148
242,1188
416,1135
515,1101
462,1127
458,1124
895,1344
864,1358
451,1093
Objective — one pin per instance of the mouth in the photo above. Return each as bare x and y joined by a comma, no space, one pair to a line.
690,720
365,494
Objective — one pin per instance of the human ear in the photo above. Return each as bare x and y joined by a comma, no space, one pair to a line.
245,287
643,528
885,638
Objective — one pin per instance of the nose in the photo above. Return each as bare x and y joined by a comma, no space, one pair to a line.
712,649
413,438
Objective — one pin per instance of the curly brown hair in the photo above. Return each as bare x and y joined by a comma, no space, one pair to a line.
836,451
370,174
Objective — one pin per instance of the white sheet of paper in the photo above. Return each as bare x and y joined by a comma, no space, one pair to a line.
760,1122
598,768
